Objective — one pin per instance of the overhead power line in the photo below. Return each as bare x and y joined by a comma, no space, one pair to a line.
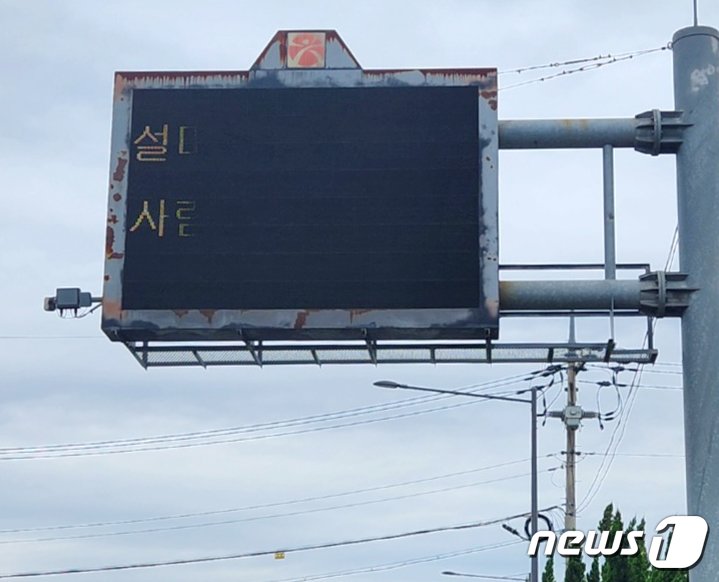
231,434
572,62
90,450
256,554
615,440
619,430
400,564
271,516
270,505
670,372
643,386
587,64
639,455
660,369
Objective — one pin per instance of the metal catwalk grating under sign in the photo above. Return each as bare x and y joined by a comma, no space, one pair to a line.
152,355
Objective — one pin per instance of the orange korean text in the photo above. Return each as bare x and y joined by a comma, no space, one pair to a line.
153,145
165,218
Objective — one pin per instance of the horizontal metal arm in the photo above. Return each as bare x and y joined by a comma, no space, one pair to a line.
658,294
566,133
653,132
568,295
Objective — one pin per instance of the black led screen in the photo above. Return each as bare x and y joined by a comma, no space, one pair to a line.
326,198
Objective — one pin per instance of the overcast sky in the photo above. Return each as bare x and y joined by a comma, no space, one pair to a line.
64,382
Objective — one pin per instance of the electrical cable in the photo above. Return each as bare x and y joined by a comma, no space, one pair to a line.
406,402
90,451
187,440
593,63
606,416
655,367
620,428
672,249
271,505
89,311
642,386
272,516
560,390
396,565
556,65
653,370
640,455
659,387
668,372
255,554
667,364
610,453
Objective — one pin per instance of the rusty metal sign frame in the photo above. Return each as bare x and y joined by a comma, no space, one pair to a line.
279,66
259,353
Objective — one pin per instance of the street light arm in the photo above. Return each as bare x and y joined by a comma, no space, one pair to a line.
391,384
534,575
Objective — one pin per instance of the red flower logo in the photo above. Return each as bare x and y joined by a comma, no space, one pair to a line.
305,50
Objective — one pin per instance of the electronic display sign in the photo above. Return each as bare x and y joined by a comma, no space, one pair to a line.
292,205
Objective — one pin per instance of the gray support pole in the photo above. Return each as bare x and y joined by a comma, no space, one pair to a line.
534,494
570,516
610,255
696,92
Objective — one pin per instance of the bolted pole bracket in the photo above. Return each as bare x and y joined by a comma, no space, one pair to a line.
659,132
664,294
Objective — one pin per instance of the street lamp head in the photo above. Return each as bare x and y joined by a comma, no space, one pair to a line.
387,384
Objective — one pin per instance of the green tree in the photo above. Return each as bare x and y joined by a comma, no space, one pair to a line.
575,569
639,566
616,568
548,574
668,576
605,523
634,568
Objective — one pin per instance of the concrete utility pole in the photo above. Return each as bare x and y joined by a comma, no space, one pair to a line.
570,517
696,93
572,416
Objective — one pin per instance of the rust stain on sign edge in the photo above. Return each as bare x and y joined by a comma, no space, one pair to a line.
301,319
119,174
357,312
111,309
110,243
208,313
491,98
